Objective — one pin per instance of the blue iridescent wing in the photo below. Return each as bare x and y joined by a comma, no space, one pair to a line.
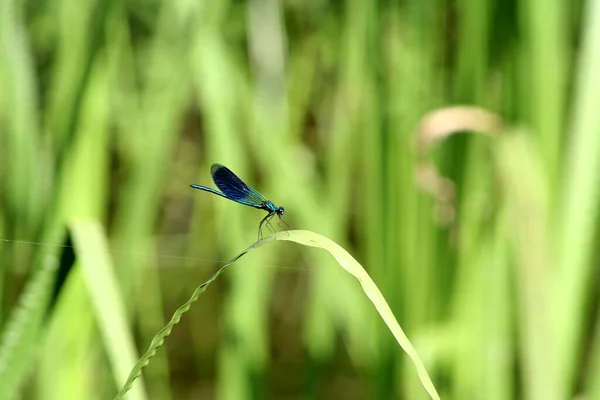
234,188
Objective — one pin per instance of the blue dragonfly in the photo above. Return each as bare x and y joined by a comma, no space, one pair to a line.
233,188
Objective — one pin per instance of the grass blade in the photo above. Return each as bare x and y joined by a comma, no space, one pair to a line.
348,263
22,331
92,249
345,260
581,195
159,338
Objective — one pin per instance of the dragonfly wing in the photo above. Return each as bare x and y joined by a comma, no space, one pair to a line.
234,188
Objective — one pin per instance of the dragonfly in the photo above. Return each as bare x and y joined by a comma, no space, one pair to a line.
235,189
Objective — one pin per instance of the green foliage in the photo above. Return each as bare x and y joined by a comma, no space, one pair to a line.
484,246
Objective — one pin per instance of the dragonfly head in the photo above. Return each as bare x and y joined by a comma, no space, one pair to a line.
280,211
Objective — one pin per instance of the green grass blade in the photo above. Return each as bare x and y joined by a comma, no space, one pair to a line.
20,112
98,271
545,40
159,338
592,383
345,260
521,171
348,263
581,196
19,339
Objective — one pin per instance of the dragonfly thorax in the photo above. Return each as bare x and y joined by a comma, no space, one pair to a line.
270,207
273,209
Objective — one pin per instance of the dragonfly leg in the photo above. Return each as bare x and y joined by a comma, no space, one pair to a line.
285,223
265,219
260,228
269,226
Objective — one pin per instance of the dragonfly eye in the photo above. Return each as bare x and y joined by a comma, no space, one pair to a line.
280,211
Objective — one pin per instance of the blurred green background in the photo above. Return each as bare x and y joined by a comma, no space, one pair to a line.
110,109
